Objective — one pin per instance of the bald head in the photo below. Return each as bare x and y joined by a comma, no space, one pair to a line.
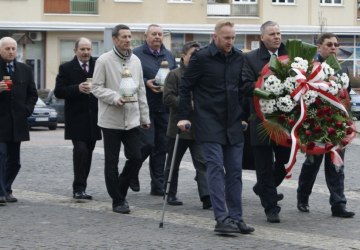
83,49
8,47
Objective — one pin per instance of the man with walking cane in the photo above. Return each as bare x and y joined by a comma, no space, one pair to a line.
213,76
186,140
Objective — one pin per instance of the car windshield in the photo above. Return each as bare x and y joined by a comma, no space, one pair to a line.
352,92
40,103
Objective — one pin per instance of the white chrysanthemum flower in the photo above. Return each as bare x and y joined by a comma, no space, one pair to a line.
310,97
273,84
328,71
267,106
333,88
300,63
285,104
344,78
289,84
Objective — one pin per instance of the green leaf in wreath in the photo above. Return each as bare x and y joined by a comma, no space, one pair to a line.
263,94
333,63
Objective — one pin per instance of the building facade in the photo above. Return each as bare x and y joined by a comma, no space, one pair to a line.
47,29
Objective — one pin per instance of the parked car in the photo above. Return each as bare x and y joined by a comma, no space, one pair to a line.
355,104
57,104
43,116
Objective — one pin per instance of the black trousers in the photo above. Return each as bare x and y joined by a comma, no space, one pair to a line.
154,145
270,173
118,185
13,165
82,156
334,179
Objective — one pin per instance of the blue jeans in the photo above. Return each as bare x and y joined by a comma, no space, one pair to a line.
224,173
198,161
334,180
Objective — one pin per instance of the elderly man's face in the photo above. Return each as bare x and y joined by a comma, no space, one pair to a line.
8,50
154,37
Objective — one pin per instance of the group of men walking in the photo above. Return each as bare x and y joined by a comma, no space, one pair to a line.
206,97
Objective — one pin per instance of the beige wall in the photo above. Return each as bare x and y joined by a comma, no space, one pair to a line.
21,10
52,57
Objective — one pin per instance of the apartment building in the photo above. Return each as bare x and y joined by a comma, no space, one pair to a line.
46,29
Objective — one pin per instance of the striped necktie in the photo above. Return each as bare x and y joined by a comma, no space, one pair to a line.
10,69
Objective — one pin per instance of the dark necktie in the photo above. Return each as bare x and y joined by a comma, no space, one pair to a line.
10,68
84,67
156,53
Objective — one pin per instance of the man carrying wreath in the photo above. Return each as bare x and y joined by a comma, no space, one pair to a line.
269,173
327,45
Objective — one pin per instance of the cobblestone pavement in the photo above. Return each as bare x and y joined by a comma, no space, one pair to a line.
46,217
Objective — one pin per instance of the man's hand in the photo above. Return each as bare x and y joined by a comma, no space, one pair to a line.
85,87
151,85
3,86
145,126
120,102
184,125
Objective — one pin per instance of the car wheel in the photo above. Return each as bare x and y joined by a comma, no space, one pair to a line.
53,127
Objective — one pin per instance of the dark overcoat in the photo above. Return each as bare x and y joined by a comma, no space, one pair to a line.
254,62
81,110
215,81
16,105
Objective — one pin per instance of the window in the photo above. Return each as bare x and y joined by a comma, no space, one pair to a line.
71,6
283,1
179,1
331,2
245,1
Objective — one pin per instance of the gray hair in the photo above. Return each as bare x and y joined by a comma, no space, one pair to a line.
267,24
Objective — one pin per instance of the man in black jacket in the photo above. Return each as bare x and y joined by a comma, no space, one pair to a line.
269,173
213,76
17,103
80,112
327,45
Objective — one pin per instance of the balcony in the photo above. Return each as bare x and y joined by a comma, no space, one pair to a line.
71,6
226,9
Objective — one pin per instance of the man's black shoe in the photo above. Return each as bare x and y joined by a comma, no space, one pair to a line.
122,207
2,201
206,202
303,207
82,196
280,196
245,229
227,225
342,213
157,192
134,184
273,217
10,198
173,200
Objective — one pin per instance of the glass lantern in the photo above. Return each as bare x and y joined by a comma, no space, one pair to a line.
161,74
128,87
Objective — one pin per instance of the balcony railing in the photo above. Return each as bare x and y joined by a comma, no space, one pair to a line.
245,10
83,7
71,6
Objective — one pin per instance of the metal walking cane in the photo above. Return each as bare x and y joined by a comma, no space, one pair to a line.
161,225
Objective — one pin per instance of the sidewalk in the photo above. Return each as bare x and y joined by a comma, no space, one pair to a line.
46,217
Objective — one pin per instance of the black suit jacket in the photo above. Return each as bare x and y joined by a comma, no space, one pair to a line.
254,62
16,105
80,109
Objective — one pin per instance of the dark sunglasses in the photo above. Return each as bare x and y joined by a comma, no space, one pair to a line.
332,44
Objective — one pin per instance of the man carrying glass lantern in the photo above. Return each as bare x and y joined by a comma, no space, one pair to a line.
152,54
120,118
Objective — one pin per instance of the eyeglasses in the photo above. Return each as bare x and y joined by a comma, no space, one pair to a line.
332,44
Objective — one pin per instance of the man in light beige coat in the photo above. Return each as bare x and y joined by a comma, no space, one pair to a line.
120,121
